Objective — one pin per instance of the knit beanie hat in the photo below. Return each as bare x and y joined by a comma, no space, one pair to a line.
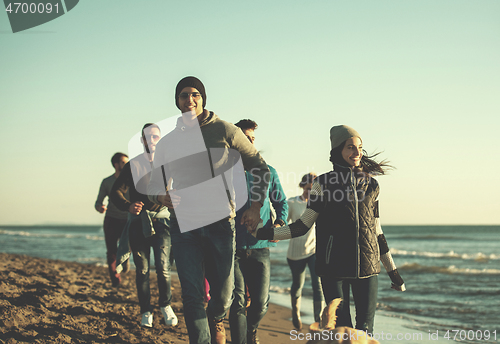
190,81
340,133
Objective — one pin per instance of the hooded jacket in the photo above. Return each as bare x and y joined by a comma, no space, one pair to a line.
207,159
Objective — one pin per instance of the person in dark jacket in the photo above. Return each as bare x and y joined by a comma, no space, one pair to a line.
252,262
349,240
114,219
148,227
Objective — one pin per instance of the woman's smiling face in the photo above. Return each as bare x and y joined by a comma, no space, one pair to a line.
353,151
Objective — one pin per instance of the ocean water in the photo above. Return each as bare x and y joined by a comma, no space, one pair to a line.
452,276
452,273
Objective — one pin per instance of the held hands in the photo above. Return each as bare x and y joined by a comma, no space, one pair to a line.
170,199
254,232
276,225
135,208
267,231
251,218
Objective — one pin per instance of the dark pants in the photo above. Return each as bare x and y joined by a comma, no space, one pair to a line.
253,268
141,250
206,251
364,292
113,229
298,268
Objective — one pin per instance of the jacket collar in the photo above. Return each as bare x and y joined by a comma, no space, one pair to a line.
341,168
209,117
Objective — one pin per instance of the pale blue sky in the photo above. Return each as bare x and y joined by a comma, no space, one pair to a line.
419,80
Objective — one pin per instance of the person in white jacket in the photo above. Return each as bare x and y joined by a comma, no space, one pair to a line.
301,254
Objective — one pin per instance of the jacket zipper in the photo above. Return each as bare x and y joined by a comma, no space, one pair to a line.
355,194
210,161
329,249
231,203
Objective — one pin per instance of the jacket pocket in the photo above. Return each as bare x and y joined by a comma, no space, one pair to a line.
329,249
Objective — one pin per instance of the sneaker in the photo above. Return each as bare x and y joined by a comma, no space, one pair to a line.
252,338
147,319
169,316
217,331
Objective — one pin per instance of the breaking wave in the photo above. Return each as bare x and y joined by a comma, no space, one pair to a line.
452,269
480,257
97,237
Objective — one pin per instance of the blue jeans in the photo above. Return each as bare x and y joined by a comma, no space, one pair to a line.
204,252
253,268
141,250
364,292
298,268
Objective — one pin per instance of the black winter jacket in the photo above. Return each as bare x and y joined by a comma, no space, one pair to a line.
346,238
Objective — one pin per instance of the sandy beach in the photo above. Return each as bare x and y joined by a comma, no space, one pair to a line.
52,301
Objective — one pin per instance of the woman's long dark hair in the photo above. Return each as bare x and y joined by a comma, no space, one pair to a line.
367,164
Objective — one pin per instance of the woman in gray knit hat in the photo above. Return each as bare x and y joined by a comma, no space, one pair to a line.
349,240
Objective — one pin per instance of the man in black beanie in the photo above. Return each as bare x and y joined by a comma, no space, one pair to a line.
198,156
191,81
